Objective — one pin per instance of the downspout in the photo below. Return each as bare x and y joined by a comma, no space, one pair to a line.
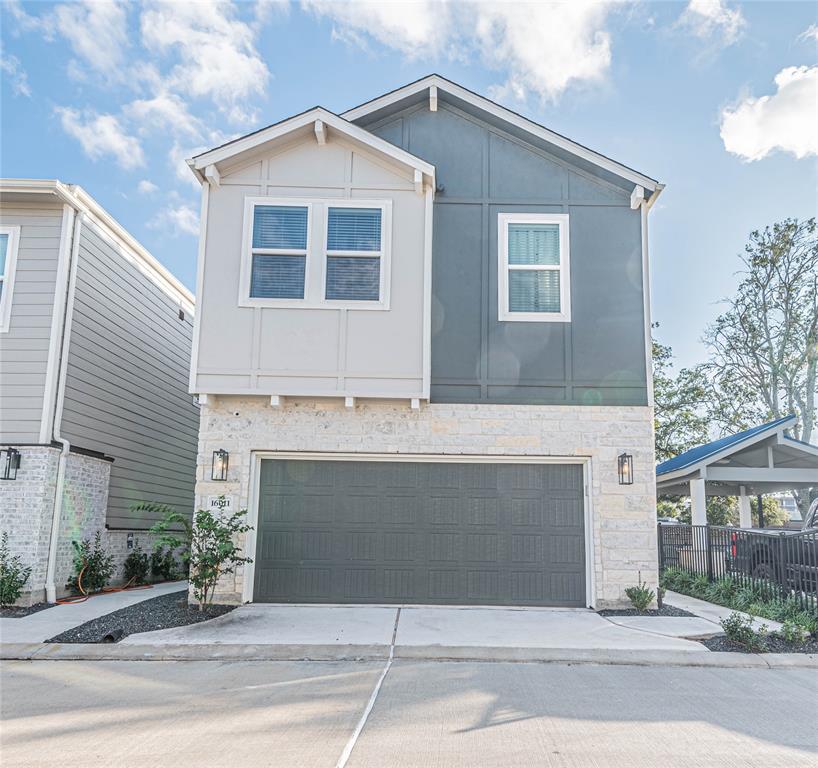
51,567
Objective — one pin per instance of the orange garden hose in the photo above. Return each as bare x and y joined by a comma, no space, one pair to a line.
83,596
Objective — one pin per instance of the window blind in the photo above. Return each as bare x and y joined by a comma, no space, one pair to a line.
354,229
354,278
4,246
277,276
533,290
534,244
280,226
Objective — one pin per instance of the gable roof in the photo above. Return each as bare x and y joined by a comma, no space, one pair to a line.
701,453
408,94
305,122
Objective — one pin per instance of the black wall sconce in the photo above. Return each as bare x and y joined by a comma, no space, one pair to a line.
221,459
9,463
624,465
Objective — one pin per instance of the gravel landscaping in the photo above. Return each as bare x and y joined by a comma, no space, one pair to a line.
665,610
162,612
774,644
21,611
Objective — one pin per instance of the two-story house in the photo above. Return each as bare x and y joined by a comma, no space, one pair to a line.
422,349
95,415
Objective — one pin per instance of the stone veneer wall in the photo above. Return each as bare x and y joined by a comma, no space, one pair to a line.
26,508
624,517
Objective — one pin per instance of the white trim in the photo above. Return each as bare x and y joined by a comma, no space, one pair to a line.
256,457
13,234
447,86
427,293
315,296
200,260
646,302
329,120
503,268
57,320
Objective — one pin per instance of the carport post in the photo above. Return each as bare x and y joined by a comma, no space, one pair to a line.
698,502
745,516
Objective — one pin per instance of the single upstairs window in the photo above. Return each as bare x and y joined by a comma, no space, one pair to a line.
354,253
9,240
534,268
279,251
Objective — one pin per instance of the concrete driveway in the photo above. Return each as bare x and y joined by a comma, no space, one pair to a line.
452,715
294,625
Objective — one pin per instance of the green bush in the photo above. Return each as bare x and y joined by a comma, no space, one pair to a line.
93,567
164,566
13,576
136,566
793,632
739,629
641,596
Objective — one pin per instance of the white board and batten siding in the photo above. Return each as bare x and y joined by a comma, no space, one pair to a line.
24,346
126,385
327,350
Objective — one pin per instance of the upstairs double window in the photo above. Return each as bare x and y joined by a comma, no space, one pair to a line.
308,253
534,268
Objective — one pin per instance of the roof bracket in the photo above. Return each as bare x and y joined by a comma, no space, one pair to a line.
320,133
212,175
637,196
433,98
418,181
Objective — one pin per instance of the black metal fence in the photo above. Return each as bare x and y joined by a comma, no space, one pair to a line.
784,563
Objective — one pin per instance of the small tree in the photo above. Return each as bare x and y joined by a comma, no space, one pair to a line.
213,551
93,566
13,576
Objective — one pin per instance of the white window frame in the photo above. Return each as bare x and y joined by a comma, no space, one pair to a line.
247,251
8,275
385,207
314,294
564,268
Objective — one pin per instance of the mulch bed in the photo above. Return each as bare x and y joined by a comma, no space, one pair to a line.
164,612
665,610
775,644
21,611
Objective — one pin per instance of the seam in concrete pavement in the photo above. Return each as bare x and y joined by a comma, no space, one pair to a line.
691,638
350,745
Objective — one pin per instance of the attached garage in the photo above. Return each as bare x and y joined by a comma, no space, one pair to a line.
420,531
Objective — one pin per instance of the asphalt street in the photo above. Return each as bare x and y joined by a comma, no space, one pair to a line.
140,713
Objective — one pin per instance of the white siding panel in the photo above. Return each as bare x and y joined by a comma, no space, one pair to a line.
24,348
126,385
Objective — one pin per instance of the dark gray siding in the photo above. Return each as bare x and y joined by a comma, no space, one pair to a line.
407,532
598,357
24,348
126,386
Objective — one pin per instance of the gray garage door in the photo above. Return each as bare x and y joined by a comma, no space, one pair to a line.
419,532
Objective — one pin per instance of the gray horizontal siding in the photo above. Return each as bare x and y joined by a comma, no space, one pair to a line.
126,386
24,348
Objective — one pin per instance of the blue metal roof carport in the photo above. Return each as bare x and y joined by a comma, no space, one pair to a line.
763,459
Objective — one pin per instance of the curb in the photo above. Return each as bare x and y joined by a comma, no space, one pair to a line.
236,652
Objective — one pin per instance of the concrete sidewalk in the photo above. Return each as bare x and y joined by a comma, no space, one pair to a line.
50,622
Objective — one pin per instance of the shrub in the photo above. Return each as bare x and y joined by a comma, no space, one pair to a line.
136,566
164,566
739,629
92,565
13,576
793,632
641,596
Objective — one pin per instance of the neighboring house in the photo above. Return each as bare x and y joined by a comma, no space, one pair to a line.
94,360
422,348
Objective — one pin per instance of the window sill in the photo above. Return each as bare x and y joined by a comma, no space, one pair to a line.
306,304
534,317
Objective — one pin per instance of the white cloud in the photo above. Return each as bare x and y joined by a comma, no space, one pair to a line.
180,219
146,187
97,31
784,121
215,53
713,20
810,33
101,135
164,112
17,77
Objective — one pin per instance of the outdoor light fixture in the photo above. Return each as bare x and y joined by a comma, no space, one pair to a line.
9,463
220,461
624,463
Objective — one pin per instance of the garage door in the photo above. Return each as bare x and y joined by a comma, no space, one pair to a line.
420,532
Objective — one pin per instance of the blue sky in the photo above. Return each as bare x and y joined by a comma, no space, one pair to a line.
717,100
